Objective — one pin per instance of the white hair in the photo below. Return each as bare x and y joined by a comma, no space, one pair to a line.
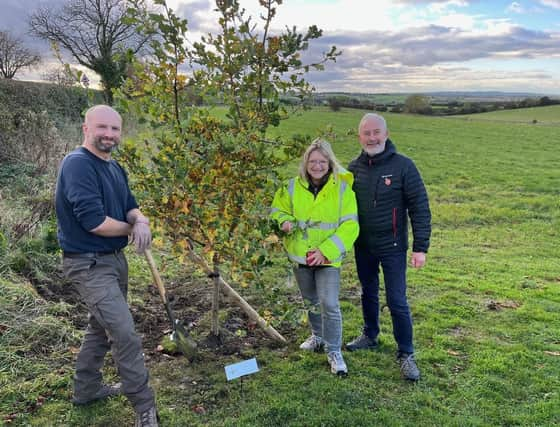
373,116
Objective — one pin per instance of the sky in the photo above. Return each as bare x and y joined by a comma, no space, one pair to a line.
398,45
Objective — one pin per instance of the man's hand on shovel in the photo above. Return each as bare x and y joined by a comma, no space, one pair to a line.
141,236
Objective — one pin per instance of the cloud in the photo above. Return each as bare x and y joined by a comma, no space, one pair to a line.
423,59
404,49
14,18
199,15
15,14
442,7
515,8
426,79
555,4
448,2
430,45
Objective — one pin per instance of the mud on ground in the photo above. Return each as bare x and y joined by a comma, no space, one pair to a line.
198,385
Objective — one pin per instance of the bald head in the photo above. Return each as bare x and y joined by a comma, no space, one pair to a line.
102,130
101,111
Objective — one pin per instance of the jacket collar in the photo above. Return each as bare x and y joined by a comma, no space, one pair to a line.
390,149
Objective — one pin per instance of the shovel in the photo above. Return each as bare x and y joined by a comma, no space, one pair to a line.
180,336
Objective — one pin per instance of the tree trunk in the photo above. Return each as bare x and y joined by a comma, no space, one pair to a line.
216,298
233,295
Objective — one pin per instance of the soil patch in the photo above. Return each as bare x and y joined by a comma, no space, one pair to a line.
190,301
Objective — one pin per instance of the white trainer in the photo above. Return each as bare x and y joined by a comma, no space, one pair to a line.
338,366
313,343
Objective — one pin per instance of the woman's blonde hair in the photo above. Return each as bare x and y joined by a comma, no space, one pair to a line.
325,149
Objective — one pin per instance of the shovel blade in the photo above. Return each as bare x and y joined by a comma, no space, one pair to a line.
184,341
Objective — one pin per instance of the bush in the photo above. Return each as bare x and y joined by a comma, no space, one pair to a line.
30,137
62,104
28,245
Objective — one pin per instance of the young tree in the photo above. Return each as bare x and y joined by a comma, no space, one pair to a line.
95,34
14,55
417,104
335,103
208,180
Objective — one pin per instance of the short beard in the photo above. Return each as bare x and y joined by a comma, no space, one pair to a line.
377,150
98,142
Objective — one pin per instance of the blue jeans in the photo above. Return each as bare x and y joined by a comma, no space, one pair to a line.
394,273
319,287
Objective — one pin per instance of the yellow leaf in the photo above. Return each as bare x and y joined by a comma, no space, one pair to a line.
273,238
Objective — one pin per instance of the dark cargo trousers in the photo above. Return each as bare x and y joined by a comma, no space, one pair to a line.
102,281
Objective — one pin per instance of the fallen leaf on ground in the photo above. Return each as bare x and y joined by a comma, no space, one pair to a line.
498,305
199,409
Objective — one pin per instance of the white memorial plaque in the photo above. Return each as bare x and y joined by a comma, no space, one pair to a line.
239,369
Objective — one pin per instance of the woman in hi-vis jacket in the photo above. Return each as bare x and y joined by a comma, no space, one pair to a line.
317,214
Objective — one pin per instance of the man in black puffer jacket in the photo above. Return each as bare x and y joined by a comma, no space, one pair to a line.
389,189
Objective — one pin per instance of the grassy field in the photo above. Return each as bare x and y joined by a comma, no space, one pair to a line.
487,328
540,115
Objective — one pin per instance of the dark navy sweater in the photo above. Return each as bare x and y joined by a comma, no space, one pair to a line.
88,189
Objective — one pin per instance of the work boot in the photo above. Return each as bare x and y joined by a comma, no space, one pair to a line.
338,367
104,392
363,342
148,418
409,370
313,343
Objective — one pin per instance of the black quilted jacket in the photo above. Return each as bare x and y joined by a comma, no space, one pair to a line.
389,189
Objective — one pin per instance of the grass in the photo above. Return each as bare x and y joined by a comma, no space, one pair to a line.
485,306
549,115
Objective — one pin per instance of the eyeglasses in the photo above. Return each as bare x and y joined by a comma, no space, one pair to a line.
318,162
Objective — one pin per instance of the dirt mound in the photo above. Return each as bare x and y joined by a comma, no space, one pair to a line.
190,301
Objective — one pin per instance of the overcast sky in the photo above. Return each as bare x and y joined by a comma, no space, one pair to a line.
401,45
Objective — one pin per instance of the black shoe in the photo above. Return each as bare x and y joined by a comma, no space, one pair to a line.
104,392
409,370
363,342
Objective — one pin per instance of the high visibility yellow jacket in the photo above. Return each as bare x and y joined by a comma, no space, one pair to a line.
328,222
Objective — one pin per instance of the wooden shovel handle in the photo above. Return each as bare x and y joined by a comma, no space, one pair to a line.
155,274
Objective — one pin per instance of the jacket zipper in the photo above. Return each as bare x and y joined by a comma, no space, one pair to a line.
394,223
370,163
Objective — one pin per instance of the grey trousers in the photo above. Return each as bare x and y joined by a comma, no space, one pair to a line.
319,287
102,282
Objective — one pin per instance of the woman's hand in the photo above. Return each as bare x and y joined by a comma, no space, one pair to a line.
315,257
286,226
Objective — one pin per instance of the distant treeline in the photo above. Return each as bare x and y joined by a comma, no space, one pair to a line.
421,104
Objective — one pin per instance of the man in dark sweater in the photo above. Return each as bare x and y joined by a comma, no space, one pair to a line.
389,189
96,214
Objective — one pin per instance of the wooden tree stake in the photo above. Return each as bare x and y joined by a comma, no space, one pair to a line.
238,299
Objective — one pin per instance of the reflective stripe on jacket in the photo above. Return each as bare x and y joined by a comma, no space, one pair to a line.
328,222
